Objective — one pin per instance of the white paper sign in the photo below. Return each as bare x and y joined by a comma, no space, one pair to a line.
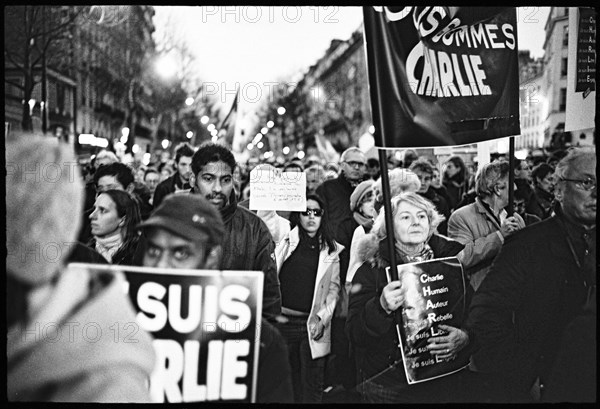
271,189
581,71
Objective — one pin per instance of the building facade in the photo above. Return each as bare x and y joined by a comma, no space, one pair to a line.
111,94
555,83
93,82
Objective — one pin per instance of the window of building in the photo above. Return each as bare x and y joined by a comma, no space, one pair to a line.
582,136
562,102
563,67
565,36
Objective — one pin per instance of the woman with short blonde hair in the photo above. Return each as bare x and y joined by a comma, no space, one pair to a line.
373,302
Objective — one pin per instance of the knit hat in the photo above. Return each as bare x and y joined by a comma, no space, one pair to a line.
359,193
188,215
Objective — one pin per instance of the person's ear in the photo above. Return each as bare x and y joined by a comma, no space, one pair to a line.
213,258
122,222
192,180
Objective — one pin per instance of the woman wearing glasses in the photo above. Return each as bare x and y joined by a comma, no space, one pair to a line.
309,276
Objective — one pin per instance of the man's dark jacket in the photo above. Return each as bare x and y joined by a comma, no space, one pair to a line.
518,314
166,187
336,194
248,245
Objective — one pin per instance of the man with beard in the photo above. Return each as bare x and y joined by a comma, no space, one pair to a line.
180,181
247,243
542,281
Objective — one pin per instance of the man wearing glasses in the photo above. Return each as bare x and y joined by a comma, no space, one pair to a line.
336,197
533,318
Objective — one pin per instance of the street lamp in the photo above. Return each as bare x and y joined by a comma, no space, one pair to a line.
166,66
124,135
189,101
270,124
165,143
281,112
189,134
204,120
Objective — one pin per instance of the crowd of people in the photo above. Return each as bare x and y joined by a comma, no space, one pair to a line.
329,322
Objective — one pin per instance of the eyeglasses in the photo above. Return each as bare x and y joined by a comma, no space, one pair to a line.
314,212
355,164
585,184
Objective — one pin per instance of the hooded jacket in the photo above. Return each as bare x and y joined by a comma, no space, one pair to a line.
83,346
371,330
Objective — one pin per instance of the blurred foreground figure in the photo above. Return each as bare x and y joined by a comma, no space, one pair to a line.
63,343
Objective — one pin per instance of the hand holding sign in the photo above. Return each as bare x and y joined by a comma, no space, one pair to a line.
449,344
392,297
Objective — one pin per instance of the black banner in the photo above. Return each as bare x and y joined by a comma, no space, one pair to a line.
442,76
434,294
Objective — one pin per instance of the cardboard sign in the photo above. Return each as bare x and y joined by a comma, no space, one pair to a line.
206,330
434,293
581,70
274,190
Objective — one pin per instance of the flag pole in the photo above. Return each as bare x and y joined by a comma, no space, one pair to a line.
385,180
511,174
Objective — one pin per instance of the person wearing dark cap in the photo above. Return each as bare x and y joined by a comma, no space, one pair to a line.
186,232
247,243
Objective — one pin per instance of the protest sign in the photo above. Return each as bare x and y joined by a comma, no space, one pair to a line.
271,189
442,76
206,330
581,69
434,294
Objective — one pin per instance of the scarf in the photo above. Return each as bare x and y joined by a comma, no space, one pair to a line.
108,246
423,255
362,220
